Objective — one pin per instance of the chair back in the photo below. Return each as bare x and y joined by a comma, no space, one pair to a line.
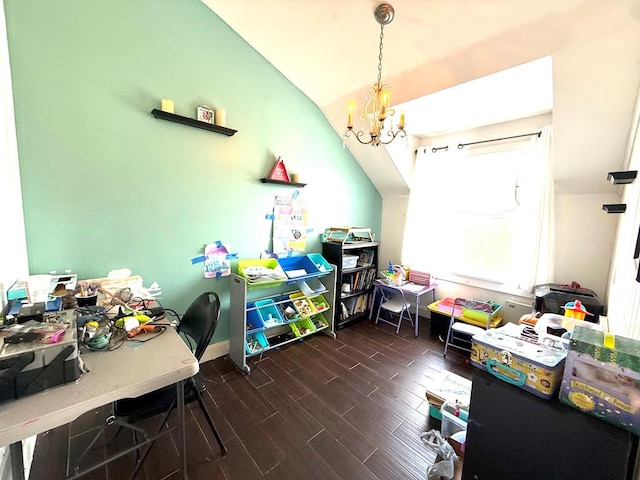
200,321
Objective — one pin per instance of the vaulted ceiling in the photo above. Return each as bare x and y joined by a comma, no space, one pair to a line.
329,50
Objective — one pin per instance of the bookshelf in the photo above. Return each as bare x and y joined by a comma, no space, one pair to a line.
354,279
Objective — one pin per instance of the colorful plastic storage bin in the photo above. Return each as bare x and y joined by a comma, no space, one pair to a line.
311,287
287,310
320,262
269,313
319,321
302,327
298,267
254,321
319,303
303,305
255,343
261,271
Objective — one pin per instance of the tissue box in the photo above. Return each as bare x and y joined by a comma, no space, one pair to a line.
603,378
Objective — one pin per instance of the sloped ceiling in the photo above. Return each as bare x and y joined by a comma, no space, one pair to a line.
329,50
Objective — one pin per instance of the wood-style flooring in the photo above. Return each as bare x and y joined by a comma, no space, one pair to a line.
350,408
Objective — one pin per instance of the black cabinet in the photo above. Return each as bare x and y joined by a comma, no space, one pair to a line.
513,434
356,269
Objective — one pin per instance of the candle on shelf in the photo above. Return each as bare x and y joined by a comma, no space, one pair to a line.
221,117
167,105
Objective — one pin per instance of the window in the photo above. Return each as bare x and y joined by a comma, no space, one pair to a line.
480,215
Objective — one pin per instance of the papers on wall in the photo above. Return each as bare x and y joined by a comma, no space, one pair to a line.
290,216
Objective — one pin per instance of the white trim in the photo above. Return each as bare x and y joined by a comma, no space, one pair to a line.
215,350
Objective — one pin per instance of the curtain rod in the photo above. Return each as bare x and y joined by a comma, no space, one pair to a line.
462,145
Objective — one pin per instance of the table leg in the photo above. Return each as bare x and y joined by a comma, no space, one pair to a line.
373,300
181,430
416,316
17,464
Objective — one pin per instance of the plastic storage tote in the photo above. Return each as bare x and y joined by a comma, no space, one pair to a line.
255,343
269,313
261,271
320,262
303,305
302,327
451,423
254,321
298,267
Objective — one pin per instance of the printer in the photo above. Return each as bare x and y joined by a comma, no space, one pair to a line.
551,297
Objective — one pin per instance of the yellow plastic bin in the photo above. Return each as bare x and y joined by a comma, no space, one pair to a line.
303,305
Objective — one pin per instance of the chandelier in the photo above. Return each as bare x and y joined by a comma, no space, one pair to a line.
377,115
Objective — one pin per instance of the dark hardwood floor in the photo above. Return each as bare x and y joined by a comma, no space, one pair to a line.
349,408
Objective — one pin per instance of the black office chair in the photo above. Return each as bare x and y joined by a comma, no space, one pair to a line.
198,324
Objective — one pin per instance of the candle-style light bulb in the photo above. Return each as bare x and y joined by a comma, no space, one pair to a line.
350,107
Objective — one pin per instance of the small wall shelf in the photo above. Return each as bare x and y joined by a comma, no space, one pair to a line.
191,122
282,182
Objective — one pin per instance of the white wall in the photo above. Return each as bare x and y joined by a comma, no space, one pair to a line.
394,215
585,235
624,291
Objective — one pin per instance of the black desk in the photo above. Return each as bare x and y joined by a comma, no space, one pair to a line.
514,435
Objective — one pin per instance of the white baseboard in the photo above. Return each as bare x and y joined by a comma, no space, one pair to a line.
215,350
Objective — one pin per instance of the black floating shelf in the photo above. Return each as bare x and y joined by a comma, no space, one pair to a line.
615,207
282,182
191,122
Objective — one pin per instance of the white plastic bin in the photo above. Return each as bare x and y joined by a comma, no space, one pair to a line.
349,261
450,422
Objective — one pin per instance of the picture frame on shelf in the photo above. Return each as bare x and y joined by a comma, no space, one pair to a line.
205,114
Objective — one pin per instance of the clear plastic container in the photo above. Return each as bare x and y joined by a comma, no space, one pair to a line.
450,422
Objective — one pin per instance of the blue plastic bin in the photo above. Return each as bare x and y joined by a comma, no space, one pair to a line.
298,267
319,261
269,313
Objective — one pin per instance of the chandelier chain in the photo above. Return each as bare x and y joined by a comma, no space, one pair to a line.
380,54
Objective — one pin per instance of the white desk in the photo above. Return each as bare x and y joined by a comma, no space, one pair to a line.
410,290
130,371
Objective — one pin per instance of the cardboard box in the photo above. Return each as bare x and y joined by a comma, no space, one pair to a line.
447,387
603,380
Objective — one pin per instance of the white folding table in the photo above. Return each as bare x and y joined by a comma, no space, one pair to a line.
129,371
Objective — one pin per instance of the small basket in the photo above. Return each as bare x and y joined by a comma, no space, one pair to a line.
421,278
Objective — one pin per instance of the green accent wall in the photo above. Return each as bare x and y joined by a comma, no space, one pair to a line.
106,186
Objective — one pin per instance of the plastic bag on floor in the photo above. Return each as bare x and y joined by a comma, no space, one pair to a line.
443,468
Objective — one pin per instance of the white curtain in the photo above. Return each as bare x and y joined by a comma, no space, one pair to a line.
546,228
484,213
